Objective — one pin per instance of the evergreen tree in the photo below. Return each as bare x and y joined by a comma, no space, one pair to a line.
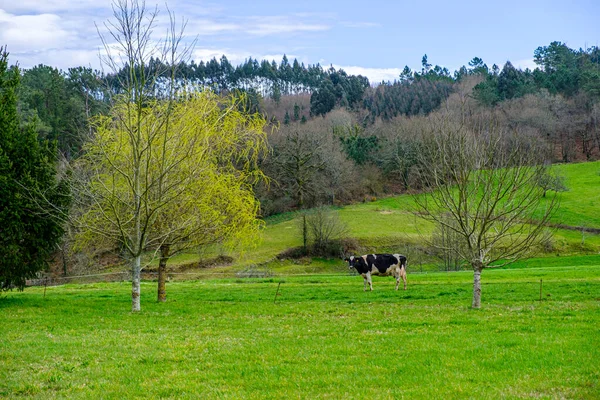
513,82
425,65
323,99
286,119
276,95
28,232
406,75
560,64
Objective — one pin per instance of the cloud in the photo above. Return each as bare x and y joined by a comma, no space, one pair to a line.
236,57
279,57
524,64
206,27
63,33
53,6
23,32
375,75
58,58
283,26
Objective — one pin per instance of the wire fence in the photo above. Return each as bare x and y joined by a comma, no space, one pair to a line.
277,284
125,276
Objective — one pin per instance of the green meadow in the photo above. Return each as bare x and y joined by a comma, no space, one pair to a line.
321,337
309,331
390,224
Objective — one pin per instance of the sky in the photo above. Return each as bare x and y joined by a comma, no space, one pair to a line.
374,38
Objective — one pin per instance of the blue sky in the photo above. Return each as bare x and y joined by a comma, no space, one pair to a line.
375,38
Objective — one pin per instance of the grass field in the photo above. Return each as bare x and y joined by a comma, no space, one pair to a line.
324,338
388,225
580,205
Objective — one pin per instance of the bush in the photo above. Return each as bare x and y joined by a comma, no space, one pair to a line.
322,231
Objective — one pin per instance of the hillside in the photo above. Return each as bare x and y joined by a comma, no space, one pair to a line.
388,225
580,205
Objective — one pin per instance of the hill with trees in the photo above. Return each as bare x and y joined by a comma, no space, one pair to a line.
336,138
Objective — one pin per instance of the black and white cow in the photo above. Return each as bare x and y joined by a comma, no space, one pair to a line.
379,264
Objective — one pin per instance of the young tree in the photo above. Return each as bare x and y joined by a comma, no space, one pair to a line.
29,231
484,186
205,167
323,229
117,178
552,180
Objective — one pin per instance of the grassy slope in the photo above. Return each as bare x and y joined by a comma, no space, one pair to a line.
325,338
387,223
580,206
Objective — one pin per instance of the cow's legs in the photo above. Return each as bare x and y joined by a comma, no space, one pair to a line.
364,282
370,281
403,275
397,276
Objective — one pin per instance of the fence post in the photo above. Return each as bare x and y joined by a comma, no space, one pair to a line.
277,293
45,285
540,290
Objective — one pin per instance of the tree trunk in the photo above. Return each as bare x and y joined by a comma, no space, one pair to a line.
64,259
304,234
162,273
477,268
135,283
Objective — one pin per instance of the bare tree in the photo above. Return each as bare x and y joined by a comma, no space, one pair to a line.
322,227
298,157
446,244
118,173
484,188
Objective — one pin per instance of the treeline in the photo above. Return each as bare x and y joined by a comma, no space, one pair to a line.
561,71
264,78
338,138
60,104
337,159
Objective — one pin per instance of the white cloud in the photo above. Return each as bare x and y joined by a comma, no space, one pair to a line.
375,75
234,57
52,6
264,29
276,25
205,27
279,57
58,58
237,57
24,32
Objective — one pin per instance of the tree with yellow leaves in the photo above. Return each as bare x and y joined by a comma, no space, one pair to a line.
167,168
186,182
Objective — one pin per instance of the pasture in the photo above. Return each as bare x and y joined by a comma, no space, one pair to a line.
387,225
323,338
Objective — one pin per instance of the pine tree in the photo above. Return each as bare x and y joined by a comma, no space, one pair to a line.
29,228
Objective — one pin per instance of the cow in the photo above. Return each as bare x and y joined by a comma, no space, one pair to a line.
379,264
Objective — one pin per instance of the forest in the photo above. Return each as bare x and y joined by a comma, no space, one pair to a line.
336,138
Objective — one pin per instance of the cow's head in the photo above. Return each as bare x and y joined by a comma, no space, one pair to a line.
351,261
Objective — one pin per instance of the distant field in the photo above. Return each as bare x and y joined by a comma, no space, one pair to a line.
324,338
388,225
